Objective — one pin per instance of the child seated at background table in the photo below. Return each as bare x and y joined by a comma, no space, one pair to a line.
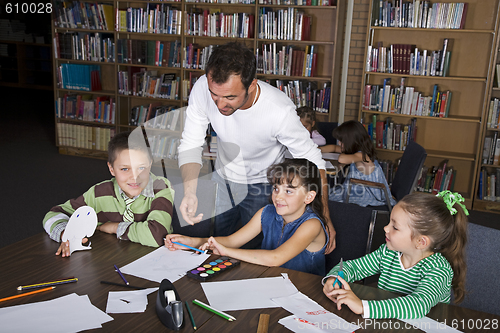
423,258
135,205
294,233
356,149
308,119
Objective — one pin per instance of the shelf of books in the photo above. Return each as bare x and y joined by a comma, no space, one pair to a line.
428,69
119,65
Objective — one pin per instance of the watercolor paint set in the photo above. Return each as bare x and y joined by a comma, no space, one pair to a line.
212,268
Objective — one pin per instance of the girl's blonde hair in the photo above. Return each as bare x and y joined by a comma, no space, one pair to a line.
430,216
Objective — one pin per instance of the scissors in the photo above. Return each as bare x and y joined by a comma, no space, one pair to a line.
340,273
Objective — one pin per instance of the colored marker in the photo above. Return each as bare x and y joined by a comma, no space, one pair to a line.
211,309
190,247
121,275
26,294
48,284
122,285
190,315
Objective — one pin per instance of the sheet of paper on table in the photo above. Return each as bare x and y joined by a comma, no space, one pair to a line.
78,313
164,264
311,313
247,294
128,301
430,325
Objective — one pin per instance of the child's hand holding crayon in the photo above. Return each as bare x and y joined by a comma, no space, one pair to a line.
191,241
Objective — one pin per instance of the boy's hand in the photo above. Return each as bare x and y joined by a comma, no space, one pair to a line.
215,246
191,241
108,227
345,296
188,207
63,249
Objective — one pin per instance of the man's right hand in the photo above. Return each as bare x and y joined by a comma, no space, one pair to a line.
188,207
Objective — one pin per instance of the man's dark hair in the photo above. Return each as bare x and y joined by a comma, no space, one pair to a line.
124,140
232,59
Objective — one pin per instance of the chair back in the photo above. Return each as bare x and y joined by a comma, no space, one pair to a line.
354,227
326,128
408,171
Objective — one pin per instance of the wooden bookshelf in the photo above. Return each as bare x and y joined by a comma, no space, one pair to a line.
326,33
459,136
26,65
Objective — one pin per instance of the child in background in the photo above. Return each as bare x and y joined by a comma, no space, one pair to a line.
308,119
424,257
356,149
295,236
135,204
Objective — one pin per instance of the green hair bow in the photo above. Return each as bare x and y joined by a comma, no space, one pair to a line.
450,199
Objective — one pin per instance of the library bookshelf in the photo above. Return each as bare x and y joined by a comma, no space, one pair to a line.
125,53
454,136
25,65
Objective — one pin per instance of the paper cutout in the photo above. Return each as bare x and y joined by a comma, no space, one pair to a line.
80,225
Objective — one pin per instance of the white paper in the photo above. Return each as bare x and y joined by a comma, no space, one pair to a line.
247,294
164,264
311,312
81,224
430,325
295,324
330,156
78,313
128,301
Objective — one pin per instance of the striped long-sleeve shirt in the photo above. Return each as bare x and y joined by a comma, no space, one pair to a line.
152,210
425,284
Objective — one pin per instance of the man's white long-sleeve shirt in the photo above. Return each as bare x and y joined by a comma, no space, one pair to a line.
248,141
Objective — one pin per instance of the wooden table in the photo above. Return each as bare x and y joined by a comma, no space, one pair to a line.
32,260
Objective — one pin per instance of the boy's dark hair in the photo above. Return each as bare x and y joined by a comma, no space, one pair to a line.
354,137
308,114
232,59
308,175
126,140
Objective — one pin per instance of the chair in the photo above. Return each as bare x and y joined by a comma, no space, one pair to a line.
326,128
354,226
406,177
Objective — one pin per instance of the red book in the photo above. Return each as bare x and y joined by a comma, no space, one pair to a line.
462,22
396,58
295,54
444,98
306,27
166,53
380,134
366,100
251,25
314,64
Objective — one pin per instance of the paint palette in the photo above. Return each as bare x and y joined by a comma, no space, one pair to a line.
212,268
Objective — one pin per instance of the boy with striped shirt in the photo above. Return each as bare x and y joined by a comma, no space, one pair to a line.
135,205
423,258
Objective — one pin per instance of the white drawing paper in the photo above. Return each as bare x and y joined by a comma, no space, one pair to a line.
128,301
80,225
430,325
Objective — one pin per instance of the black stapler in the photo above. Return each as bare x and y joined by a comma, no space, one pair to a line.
169,306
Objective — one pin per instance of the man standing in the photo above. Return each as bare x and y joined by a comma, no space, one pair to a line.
255,123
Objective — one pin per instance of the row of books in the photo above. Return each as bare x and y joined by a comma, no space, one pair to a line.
243,2
419,14
213,23
305,93
295,2
287,60
85,15
187,84
494,114
79,77
84,46
389,169
163,147
195,56
438,178
149,52
386,134
405,100
82,136
491,149
284,24
149,84
86,107
409,60
155,19
156,116
489,185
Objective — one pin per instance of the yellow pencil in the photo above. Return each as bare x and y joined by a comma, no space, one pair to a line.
48,284
26,294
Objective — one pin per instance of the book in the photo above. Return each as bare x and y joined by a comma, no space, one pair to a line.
496,155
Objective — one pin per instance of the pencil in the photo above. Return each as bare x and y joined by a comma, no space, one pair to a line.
190,247
48,284
121,275
122,285
211,309
190,315
26,294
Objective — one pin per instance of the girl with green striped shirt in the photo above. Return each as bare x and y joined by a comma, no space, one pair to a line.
423,258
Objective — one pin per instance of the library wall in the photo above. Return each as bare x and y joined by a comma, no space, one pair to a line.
356,58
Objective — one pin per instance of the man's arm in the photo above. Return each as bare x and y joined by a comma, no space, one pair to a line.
189,204
326,212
